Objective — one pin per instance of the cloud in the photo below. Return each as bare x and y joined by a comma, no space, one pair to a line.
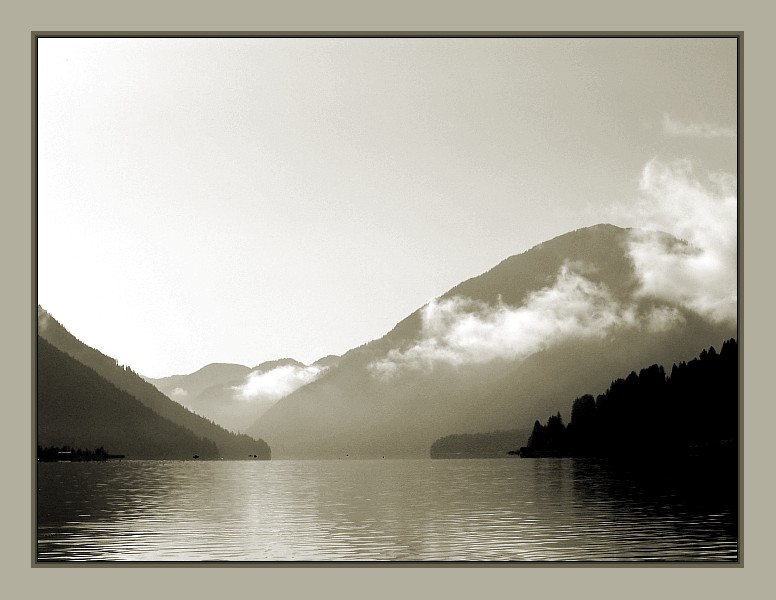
276,383
179,392
701,274
461,331
676,128
663,318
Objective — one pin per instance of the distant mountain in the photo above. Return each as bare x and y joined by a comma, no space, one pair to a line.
78,408
193,384
234,396
491,444
522,339
229,445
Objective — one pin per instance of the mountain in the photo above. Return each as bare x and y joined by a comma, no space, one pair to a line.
491,444
193,384
522,339
274,364
234,396
78,408
229,445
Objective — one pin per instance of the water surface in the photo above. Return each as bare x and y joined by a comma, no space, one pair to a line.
386,510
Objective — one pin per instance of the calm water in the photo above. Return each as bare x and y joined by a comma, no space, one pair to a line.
466,510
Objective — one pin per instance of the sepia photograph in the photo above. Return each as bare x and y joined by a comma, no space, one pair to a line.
445,298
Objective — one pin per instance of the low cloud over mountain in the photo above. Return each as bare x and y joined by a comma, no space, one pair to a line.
276,383
460,330
234,396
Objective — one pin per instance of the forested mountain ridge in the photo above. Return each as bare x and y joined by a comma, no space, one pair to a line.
230,445
78,408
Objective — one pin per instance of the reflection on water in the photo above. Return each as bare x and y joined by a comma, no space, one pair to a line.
504,509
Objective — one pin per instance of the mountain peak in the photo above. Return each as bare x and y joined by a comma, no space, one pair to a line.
274,364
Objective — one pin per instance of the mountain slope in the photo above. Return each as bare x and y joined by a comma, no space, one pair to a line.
534,331
229,445
78,408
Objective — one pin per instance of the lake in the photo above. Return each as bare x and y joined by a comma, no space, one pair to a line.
385,510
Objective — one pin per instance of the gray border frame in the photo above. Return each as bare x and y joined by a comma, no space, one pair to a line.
753,17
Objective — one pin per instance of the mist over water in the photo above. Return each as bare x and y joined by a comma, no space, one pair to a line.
375,510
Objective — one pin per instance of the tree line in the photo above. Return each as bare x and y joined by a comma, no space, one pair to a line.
693,410
64,453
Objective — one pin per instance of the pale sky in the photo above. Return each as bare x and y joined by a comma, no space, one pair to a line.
244,200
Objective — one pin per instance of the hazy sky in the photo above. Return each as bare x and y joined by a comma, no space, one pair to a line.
243,200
